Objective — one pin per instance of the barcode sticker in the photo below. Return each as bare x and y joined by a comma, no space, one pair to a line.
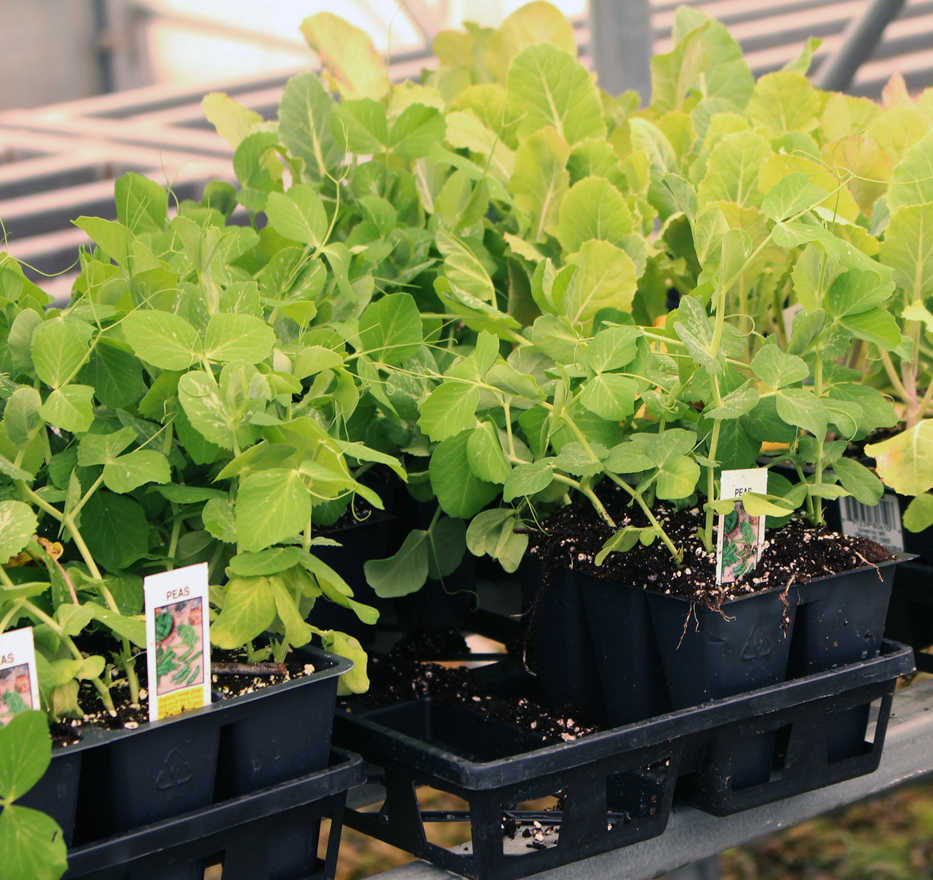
880,522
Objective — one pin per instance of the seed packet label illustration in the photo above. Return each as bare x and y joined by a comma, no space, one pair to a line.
741,536
880,522
19,684
177,640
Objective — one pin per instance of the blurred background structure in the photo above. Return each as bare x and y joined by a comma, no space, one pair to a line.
59,50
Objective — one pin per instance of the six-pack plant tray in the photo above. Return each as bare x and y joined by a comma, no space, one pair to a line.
614,787
272,832
116,781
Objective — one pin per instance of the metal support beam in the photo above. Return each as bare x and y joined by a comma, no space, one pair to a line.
621,40
858,42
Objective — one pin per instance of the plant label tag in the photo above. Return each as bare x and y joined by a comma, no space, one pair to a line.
19,683
178,640
741,536
880,523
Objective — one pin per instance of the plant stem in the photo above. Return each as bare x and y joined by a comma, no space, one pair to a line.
665,538
892,375
102,689
818,476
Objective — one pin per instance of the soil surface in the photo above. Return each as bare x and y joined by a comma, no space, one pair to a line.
402,675
793,554
224,686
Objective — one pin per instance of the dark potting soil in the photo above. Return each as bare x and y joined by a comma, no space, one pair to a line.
796,553
224,686
401,675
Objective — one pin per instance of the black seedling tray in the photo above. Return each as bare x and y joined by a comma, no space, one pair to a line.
616,787
113,781
269,833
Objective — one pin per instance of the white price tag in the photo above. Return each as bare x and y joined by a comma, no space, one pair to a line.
19,684
738,543
880,522
178,645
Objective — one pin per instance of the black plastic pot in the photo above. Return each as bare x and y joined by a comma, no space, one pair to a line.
270,833
707,655
841,619
127,779
617,785
591,643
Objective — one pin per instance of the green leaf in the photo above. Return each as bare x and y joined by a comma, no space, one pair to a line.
348,56
485,456
163,339
142,205
801,407
305,124
123,625
404,572
785,101
361,126
446,546
757,504
540,179
735,404
95,449
59,347
25,752
248,610
218,518
116,530
114,374
876,325
355,680
32,843
732,170
531,24
620,542
492,533
17,526
677,477
273,560
297,631
527,479
231,337
390,328
119,244
416,131
458,491
801,64
449,409
201,400
298,215
905,462
21,415
776,368
694,327
793,195
859,481
912,178
918,516
463,269
548,87
705,59
908,249
69,408
271,505
135,469
610,396
232,120
592,209
605,278
612,348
